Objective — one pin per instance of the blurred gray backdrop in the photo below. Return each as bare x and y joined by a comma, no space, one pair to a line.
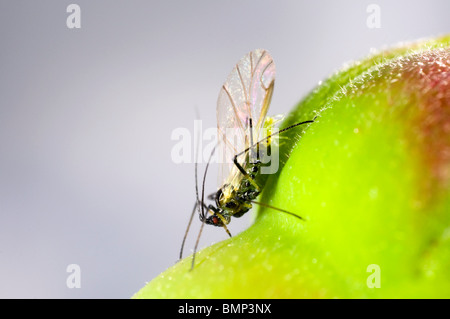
86,117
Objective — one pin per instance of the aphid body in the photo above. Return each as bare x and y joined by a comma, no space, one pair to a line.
244,134
245,142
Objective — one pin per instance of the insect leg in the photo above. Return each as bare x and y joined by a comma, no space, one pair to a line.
196,244
195,206
203,213
189,226
269,136
212,196
242,170
187,230
226,229
278,209
252,156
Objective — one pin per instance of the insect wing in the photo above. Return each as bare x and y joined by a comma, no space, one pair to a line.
262,84
245,95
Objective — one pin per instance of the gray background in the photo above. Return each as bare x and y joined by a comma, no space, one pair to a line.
86,116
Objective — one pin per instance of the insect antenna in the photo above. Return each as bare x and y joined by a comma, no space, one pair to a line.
203,217
197,201
292,126
192,216
278,209
271,135
250,148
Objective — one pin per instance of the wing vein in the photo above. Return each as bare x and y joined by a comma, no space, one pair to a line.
262,74
234,107
247,98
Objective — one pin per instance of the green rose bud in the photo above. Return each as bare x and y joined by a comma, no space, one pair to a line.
371,178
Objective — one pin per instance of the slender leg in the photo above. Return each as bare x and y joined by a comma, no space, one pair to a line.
278,209
187,230
256,145
196,203
196,244
252,156
242,170
188,227
212,196
203,212
271,135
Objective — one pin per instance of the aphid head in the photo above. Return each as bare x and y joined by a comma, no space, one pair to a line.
218,218
214,220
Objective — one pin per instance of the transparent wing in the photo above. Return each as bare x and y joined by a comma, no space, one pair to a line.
245,95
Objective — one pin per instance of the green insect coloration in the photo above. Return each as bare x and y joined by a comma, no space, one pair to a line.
245,142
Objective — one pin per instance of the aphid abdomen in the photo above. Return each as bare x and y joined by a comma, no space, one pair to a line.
244,206
241,213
